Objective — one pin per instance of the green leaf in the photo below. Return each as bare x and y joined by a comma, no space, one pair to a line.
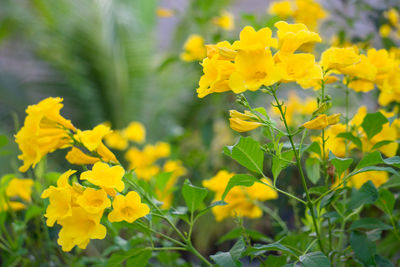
239,180
313,170
364,249
237,232
275,261
140,260
375,168
313,147
315,259
394,181
395,161
381,144
281,162
372,123
193,195
382,262
231,258
340,164
386,201
369,223
373,158
262,111
261,249
248,153
162,180
3,140
349,136
367,194
32,212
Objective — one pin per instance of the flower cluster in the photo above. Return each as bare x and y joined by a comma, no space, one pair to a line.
308,12
15,193
392,25
241,201
78,208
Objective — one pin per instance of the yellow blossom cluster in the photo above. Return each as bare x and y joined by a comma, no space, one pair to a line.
241,201
78,209
249,63
392,27
15,193
119,139
390,132
194,48
225,21
308,12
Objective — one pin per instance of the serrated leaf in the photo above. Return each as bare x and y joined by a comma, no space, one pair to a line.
369,223
193,195
313,170
239,180
367,194
248,153
372,123
349,136
363,248
315,259
340,164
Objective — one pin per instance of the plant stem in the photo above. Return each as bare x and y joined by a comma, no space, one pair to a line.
298,161
159,233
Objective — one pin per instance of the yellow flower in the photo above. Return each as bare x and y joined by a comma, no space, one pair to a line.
333,143
318,123
61,198
240,199
337,58
300,68
44,131
194,48
135,132
309,12
78,228
20,188
383,63
160,150
94,201
292,36
13,205
334,119
251,39
390,88
76,156
385,30
253,68
216,76
164,12
225,21
128,208
376,177
243,122
364,73
116,140
393,16
105,176
222,50
282,9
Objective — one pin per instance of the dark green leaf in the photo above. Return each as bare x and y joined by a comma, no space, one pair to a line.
367,194
363,248
372,123
140,260
261,249
313,147
340,164
349,136
239,180
386,201
32,212
369,223
394,181
313,170
327,199
315,259
318,190
231,258
382,262
193,195
248,153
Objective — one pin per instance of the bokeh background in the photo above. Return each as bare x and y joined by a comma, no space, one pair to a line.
117,62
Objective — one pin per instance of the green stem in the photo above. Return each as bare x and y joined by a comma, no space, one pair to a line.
303,180
161,234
